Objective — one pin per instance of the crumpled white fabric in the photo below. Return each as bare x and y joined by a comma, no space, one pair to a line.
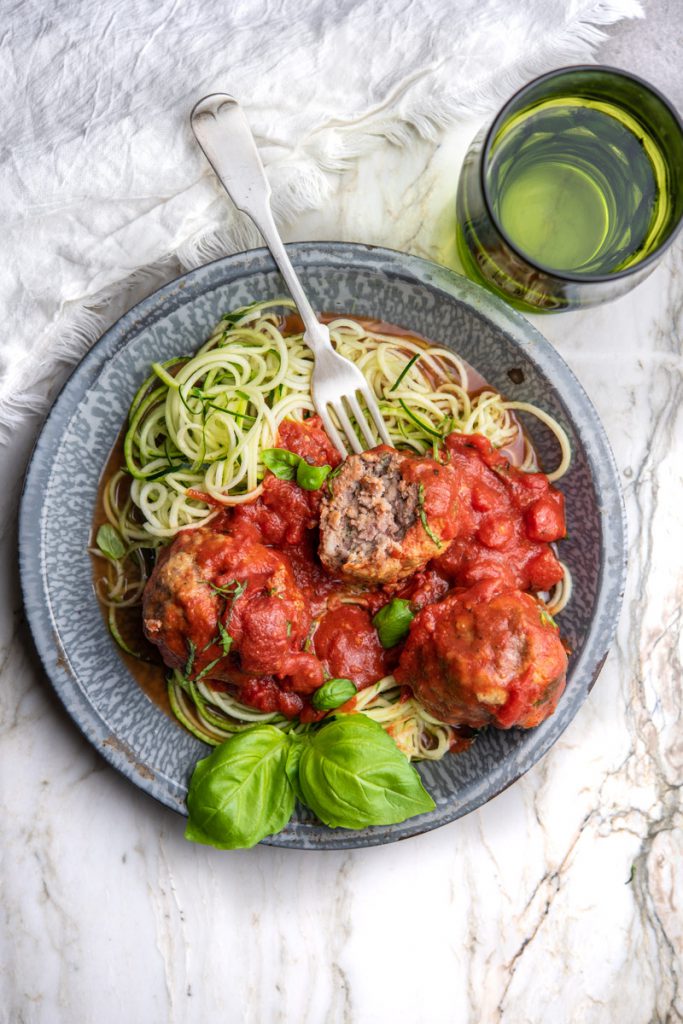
99,173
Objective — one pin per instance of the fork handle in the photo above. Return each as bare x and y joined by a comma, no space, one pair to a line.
223,133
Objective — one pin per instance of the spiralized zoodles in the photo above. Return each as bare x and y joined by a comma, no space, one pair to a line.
197,427
214,715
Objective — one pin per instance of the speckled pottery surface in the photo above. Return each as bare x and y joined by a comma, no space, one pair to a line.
72,639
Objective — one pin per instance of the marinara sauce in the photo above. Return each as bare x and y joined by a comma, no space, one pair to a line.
502,522
497,524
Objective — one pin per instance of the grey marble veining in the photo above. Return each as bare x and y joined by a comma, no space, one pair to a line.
562,900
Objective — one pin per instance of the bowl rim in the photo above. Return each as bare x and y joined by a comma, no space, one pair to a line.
83,378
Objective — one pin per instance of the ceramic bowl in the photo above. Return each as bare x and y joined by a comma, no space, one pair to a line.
80,657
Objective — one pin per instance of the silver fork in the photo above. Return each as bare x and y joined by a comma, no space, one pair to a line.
222,131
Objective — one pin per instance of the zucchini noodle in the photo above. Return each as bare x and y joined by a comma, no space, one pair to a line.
214,715
558,431
195,432
197,426
418,734
561,593
122,586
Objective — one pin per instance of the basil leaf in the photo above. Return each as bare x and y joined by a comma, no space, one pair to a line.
241,792
393,622
311,478
281,463
109,542
333,693
352,774
286,465
296,748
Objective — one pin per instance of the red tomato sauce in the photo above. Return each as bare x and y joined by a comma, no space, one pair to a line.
498,521
505,520
309,440
347,644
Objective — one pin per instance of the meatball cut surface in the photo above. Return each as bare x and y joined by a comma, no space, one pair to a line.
482,657
384,516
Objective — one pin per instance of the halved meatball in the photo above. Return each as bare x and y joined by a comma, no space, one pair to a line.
482,657
221,606
386,516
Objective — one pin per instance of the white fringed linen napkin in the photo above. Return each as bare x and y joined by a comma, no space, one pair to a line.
99,174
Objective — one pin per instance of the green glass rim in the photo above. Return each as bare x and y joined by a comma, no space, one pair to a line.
498,123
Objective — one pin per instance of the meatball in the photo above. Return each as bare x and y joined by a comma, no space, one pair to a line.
482,657
386,515
226,606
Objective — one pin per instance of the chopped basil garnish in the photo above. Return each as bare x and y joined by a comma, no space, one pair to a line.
233,589
423,517
404,371
331,476
189,664
226,639
207,668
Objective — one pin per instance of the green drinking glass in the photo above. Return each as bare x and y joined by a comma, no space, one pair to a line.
572,195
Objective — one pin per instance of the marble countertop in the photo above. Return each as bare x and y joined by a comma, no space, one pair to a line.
561,900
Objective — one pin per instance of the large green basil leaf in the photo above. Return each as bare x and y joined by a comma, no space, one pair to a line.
241,792
352,774
296,746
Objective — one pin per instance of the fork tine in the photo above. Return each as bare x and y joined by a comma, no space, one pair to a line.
346,427
361,420
332,431
373,409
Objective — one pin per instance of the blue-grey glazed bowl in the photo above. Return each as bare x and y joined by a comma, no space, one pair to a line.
80,657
